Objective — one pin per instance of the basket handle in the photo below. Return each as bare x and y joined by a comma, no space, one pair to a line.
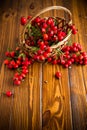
52,8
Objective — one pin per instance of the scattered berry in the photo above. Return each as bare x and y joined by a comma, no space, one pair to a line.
23,20
58,75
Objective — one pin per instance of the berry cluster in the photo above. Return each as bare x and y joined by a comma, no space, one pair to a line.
19,61
68,55
41,35
46,31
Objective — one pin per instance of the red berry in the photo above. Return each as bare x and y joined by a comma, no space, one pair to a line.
69,62
49,21
66,65
75,44
23,20
7,53
45,54
42,58
17,82
12,54
58,75
72,27
85,62
43,30
25,71
49,59
45,37
40,43
42,47
23,75
16,66
62,62
55,38
10,66
54,62
6,62
18,62
9,94
39,51
51,33
12,63
46,43
29,17
49,49
44,25
20,77
74,31
38,19
79,47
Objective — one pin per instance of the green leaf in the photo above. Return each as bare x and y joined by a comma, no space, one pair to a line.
22,55
34,49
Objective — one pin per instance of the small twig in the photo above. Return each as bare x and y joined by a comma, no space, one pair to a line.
45,81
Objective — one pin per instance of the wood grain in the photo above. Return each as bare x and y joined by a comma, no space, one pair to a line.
42,101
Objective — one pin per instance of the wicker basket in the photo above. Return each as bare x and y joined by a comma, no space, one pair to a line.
63,20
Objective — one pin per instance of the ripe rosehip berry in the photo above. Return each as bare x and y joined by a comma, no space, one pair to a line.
62,62
12,63
42,47
7,53
23,20
46,43
49,59
51,33
18,62
66,65
42,58
9,93
49,21
54,62
12,54
45,37
60,36
58,75
10,66
40,43
20,77
23,75
17,82
16,66
37,19
49,49
74,31
25,71
6,62
55,38
45,54
43,30
44,25
72,27
29,17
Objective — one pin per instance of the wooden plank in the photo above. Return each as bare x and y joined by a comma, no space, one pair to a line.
77,86
64,101
22,111
5,102
56,96
56,99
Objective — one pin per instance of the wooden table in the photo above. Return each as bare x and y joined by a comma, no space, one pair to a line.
37,104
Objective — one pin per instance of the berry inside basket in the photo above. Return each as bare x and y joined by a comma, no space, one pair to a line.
44,37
